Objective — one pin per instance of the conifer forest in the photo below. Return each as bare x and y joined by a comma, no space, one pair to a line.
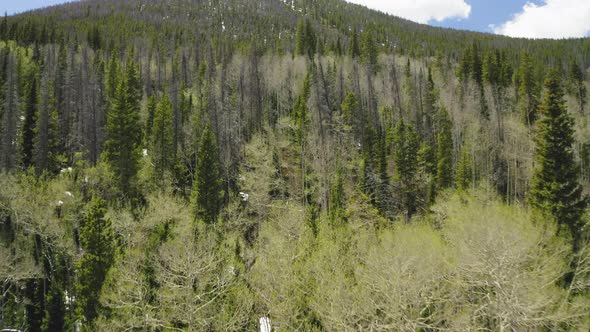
213,165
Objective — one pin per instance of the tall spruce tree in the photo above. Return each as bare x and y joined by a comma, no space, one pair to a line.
405,156
207,195
444,152
96,239
337,208
46,149
122,148
8,126
555,188
527,90
163,137
30,119
152,105
464,171
354,49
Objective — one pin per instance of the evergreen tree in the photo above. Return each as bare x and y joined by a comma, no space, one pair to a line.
306,40
207,192
46,149
163,137
370,52
55,312
444,152
350,108
152,105
476,64
122,148
354,48
555,189
112,79
9,118
464,171
35,303
55,306
96,239
30,119
337,211
527,91
405,156
579,86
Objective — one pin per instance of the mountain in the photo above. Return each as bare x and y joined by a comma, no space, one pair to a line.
310,165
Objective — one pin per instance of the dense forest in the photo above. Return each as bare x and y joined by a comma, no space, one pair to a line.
215,165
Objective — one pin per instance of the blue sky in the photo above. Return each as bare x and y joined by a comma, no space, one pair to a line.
485,12
516,18
17,6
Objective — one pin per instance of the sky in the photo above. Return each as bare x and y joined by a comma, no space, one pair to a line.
515,18
17,6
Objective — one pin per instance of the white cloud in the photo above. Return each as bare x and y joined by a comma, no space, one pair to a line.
421,11
552,19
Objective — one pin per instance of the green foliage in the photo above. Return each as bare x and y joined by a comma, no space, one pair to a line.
30,115
97,241
354,49
46,146
577,78
464,171
207,198
444,152
305,39
528,90
122,149
350,107
152,106
555,189
370,52
162,139
337,210
405,156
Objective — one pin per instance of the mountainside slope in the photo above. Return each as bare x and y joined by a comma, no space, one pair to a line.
200,165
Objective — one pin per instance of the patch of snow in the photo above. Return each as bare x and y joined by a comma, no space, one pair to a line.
245,197
265,324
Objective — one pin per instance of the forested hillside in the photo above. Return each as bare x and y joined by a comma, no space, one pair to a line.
199,165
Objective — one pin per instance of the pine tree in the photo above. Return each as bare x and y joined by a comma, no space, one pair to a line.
55,306
305,39
300,37
527,91
444,152
405,156
579,86
370,52
555,189
30,119
122,149
152,105
54,319
163,137
46,149
96,239
9,118
350,108
354,49
464,172
207,194
337,211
